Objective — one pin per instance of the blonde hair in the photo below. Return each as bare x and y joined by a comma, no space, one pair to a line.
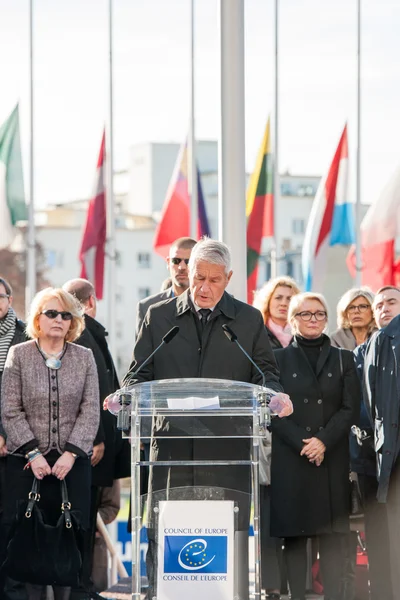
296,303
345,301
67,301
262,297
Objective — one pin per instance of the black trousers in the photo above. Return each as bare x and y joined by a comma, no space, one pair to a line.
377,537
393,517
273,571
295,553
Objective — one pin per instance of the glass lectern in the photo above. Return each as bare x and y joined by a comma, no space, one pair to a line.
204,437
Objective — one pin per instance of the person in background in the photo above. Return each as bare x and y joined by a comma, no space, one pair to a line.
177,264
310,450
355,319
385,307
110,503
381,397
50,411
356,324
273,301
111,454
12,332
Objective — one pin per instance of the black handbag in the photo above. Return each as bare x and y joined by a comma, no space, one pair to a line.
45,554
356,505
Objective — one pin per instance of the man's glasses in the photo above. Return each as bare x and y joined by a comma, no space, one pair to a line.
306,315
4,296
177,261
53,314
360,308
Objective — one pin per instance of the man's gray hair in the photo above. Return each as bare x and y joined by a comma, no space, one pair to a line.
211,251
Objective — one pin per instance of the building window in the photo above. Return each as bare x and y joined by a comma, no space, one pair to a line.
54,258
144,260
143,293
298,226
306,190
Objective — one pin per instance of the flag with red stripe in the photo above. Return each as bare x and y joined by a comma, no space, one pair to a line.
92,252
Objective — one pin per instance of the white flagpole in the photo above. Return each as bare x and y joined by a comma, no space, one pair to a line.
110,291
358,155
30,287
276,180
192,179
231,147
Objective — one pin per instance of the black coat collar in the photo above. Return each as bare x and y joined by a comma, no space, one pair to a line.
225,305
95,327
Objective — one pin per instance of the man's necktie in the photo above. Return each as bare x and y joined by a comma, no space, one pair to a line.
205,313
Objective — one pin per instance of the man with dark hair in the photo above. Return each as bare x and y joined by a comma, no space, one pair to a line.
177,264
111,454
381,385
12,332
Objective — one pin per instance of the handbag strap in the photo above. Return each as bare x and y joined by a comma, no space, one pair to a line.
33,497
65,504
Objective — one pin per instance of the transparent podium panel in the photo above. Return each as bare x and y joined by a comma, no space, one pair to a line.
197,440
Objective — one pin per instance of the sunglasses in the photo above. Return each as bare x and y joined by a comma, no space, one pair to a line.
53,314
177,261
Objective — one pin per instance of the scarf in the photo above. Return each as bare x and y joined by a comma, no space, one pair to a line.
284,334
7,331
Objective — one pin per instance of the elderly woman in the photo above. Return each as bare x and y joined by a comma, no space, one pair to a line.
310,450
355,319
273,301
50,413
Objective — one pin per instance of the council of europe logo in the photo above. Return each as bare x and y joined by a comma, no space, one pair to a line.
206,554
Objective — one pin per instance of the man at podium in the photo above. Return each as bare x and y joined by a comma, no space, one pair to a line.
201,349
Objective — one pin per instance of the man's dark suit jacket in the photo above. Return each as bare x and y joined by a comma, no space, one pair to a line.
144,304
116,460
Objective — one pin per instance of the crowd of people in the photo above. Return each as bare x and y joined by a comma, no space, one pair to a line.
339,417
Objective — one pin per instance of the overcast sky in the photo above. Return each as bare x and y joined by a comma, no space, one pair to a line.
151,54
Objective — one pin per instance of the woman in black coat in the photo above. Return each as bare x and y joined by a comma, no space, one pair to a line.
310,453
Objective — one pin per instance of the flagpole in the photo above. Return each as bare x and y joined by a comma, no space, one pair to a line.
111,250
358,277
276,182
231,147
192,167
30,286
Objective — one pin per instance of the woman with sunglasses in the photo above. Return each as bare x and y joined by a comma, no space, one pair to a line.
355,319
50,413
310,450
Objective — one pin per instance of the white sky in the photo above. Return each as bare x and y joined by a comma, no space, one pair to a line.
151,91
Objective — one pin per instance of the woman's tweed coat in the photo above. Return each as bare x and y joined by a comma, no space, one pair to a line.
54,410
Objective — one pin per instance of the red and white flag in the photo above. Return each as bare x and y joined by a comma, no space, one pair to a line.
92,252
379,230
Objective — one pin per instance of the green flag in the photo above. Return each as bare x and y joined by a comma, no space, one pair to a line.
12,196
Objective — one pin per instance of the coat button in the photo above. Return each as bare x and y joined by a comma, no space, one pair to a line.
54,388
305,400
387,452
54,403
54,445
53,376
294,374
54,430
54,417
320,428
308,428
329,374
319,401
394,425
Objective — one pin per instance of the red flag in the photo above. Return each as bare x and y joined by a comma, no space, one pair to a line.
379,230
175,217
92,251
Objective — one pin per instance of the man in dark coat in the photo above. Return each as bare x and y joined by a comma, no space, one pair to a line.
381,394
111,454
177,263
201,349
12,332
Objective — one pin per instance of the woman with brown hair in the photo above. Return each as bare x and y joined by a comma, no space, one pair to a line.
273,301
50,413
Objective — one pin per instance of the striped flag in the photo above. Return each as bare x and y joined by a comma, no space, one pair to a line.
331,220
92,251
379,230
12,196
175,216
259,210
